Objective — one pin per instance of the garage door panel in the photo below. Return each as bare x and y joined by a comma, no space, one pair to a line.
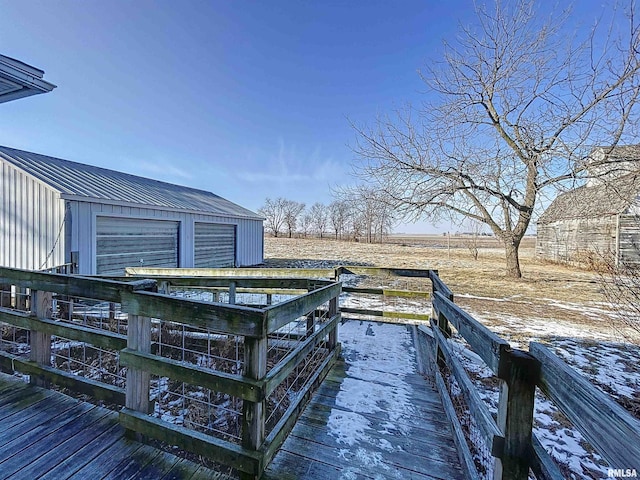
131,242
113,245
214,245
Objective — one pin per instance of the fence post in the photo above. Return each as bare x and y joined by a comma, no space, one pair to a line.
519,372
440,320
254,413
138,339
5,295
21,298
232,293
40,343
333,334
164,287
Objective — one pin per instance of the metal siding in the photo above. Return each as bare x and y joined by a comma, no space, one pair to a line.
249,243
214,245
107,192
127,242
32,220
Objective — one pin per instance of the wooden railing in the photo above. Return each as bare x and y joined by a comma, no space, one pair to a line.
182,277
508,434
612,431
316,303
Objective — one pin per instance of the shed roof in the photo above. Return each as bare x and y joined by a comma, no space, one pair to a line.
621,152
17,80
89,183
610,198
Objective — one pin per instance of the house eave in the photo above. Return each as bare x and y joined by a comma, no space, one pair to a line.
18,80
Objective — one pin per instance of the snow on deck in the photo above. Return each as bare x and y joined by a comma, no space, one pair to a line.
373,417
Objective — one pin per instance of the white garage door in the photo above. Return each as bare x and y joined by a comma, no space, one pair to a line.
132,242
215,245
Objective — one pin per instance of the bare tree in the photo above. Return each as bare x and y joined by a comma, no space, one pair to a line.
320,218
292,211
620,284
471,234
371,214
274,214
515,107
306,223
338,216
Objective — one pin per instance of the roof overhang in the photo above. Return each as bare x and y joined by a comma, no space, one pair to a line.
120,203
17,80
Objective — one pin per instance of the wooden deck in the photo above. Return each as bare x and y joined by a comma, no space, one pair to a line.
50,436
373,417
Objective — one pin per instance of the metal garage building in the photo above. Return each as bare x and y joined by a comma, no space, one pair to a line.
54,210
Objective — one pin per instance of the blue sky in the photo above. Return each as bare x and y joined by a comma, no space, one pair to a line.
248,99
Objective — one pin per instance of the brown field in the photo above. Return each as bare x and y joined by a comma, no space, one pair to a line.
550,297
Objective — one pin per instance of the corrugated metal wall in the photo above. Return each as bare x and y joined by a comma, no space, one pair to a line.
249,248
32,222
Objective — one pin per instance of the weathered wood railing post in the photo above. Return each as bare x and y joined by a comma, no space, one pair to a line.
164,287
440,319
333,334
138,339
311,323
5,295
40,343
254,413
232,293
21,298
519,372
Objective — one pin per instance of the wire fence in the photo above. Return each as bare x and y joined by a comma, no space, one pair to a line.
215,413
284,342
14,340
71,356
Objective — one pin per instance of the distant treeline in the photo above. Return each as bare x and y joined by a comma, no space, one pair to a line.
356,216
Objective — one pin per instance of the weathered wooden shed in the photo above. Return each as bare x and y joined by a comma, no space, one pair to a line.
601,218
54,210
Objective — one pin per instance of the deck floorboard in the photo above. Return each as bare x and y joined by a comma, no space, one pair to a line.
374,417
48,435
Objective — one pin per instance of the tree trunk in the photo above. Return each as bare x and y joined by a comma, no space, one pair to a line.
511,247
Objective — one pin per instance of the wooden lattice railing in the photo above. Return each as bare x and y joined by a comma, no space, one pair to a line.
612,431
141,311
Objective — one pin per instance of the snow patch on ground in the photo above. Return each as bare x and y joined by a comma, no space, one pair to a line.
348,427
612,367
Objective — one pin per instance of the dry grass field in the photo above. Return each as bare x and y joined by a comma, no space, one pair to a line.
550,297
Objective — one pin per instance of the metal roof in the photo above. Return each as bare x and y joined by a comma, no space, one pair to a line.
17,80
77,181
